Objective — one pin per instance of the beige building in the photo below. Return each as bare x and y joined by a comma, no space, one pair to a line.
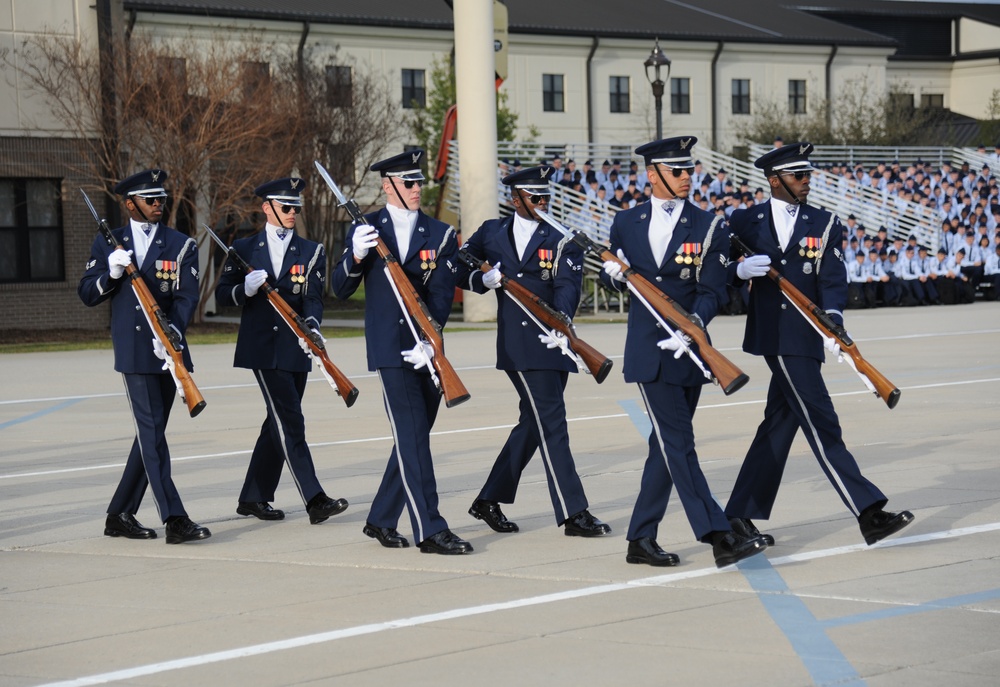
575,71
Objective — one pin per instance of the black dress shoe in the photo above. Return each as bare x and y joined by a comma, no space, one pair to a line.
729,547
445,542
583,524
646,550
877,524
182,529
387,536
490,513
745,528
260,510
125,525
322,507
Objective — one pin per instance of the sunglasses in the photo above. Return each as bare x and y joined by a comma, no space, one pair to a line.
152,201
410,183
677,172
536,199
287,209
799,176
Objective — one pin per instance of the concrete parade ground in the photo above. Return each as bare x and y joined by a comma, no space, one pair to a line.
289,603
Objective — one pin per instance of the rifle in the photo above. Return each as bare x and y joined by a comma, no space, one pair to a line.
668,312
158,321
827,328
548,319
444,375
338,380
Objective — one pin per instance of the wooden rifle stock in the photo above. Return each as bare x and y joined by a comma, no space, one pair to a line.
452,389
821,319
160,324
598,364
727,374
345,388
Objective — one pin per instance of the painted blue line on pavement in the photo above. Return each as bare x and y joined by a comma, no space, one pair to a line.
820,656
637,415
40,413
936,605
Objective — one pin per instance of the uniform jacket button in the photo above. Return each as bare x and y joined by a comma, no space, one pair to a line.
784,262
524,323
138,329
401,321
659,278
520,274
138,307
275,328
784,306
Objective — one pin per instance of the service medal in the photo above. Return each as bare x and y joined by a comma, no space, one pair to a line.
697,261
545,258
802,252
679,259
427,259
688,260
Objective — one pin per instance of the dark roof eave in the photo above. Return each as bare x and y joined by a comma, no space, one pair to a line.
711,38
281,15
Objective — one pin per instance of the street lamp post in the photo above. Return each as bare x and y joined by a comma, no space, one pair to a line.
656,60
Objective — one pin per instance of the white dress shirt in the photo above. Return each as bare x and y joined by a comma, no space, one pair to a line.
524,229
141,241
402,222
784,215
277,246
661,225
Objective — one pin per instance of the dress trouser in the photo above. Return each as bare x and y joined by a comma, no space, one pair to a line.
672,461
797,398
282,439
150,398
541,425
411,402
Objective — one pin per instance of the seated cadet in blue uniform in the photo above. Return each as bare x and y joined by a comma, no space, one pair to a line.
551,266
268,346
426,250
800,240
682,250
168,263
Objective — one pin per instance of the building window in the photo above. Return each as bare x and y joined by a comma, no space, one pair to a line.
741,96
901,102
254,76
31,233
620,94
932,100
414,89
680,96
173,77
552,93
340,86
796,96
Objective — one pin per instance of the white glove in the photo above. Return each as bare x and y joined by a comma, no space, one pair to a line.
491,280
118,261
613,269
555,340
363,240
419,356
304,345
253,282
160,351
676,342
830,344
753,266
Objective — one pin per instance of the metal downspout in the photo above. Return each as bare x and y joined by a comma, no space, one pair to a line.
715,97
590,96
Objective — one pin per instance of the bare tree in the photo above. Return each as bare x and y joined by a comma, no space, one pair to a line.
219,114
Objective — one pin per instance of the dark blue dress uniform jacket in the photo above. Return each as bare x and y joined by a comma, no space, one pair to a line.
386,331
701,292
518,347
774,327
131,335
265,341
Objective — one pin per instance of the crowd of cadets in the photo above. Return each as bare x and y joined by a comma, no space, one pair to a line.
962,201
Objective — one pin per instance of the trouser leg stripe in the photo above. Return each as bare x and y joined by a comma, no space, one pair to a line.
544,447
399,460
821,452
135,423
281,430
